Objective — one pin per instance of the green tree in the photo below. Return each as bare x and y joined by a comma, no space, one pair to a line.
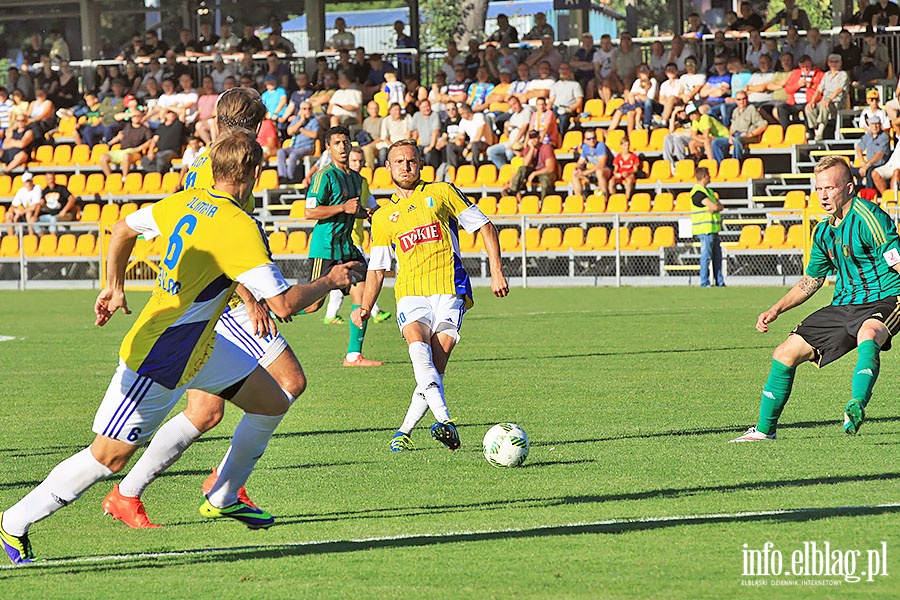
650,14
441,20
818,11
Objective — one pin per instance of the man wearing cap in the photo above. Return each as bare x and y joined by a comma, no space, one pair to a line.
800,87
873,109
872,151
134,139
675,145
829,97
539,163
26,204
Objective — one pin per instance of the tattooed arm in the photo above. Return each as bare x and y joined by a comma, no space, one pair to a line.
800,293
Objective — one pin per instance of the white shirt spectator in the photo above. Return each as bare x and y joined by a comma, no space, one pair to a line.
219,78
760,79
26,198
637,89
863,119
188,101
604,59
539,84
692,81
565,93
674,87
470,126
347,97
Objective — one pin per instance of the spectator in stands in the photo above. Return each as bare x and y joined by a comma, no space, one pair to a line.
706,223
345,106
304,131
639,102
719,47
154,70
191,152
873,109
57,203
507,60
438,92
26,204
592,165
881,14
479,90
604,60
585,60
538,164
18,104
505,33
489,60
371,130
415,93
32,50
800,87
624,65
458,89
829,97
165,144
174,69
341,38
696,28
692,80
789,16
888,174
777,96
275,98
703,131
624,171
540,29
539,87
394,127
405,61
45,78
375,81
476,134
452,60
849,52
669,96
41,115
16,80
153,46
425,129
132,78
659,58
301,94
546,52
207,39
204,127
748,19
519,87
757,87
17,144
91,130
755,49
321,98
858,18
872,151
168,99
250,43
5,106
187,100
67,94
740,76
473,58
228,42
817,49
278,43
544,121
187,45
675,144
514,129
282,72
718,86
135,138
566,97
747,127
219,73
873,62
793,44
731,20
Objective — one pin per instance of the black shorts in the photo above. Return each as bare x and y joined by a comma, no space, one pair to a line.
832,330
321,266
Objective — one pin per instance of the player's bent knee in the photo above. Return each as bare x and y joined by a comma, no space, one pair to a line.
793,351
204,411
260,394
113,454
873,330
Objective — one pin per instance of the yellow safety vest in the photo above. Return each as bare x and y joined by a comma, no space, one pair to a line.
703,221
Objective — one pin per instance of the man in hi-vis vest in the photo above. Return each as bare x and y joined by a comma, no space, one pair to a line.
706,223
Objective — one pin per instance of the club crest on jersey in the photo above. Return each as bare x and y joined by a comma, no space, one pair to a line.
394,217
429,201
846,250
420,235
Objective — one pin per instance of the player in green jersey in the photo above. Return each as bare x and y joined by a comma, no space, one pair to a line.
859,244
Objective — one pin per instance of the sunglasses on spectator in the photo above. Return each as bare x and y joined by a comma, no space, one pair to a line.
589,138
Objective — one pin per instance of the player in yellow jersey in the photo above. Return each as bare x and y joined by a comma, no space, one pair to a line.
212,244
240,324
420,223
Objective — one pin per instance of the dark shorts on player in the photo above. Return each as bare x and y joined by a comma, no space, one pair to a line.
832,330
321,266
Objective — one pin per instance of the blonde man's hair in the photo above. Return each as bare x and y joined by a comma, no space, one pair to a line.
235,156
834,161
240,108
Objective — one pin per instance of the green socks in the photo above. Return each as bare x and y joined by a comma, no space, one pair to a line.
775,395
866,372
357,335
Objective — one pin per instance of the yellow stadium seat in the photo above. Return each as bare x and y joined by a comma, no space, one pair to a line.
574,205
795,200
142,248
773,237
62,155
684,171
595,239
752,168
664,202
152,184
487,175
277,242
96,152
66,245
595,204
710,164
127,209
794,237
40,180
640,238
381,179
2,213
639,203
639,139
530,205
567,174
814,206
794,135
612,105
614,139
624,237
76,184
661,170
43,156
532,239
90,213
109,214
751,237
729,170
595,108
509,240
551,205
772,137
30,245
9,246
381,98
298,209
66,127
508,205
683,202
617,203
573,239
95,183
366,174
655,144
466,241
47,245
170,182
504,175
113,184
298,242
87,244
81,155
663,237
268,180
5,185
488,205
465,176
571,141
551,239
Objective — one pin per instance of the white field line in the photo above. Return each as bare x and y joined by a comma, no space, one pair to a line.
462,535
6,338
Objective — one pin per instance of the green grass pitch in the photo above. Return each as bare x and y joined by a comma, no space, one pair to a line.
630,491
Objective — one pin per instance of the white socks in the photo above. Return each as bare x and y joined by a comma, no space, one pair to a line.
428,381
291,399
65,484
250,439
335,299
166,447
417,409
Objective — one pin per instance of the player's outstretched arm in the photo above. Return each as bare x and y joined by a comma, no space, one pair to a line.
499,285
802,291
258,313
112,298
374,282
298,297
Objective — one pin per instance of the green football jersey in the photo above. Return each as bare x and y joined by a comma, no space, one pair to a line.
860,251
332,237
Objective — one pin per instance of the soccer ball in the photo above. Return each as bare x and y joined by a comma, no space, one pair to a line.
505,445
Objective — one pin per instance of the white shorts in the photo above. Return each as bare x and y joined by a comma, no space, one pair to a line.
234,325
886,171
134,406
443,313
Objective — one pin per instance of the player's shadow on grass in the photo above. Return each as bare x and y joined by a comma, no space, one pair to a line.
303,434
116,564
532,357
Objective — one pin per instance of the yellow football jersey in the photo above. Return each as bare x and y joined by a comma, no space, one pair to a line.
423,232
200,176
211,240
